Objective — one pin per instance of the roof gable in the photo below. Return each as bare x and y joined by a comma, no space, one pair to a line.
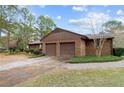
35,42
63,30
90,36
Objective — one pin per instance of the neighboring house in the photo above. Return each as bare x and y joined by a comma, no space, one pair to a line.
118,41
35,44
62,42
3,38
3,32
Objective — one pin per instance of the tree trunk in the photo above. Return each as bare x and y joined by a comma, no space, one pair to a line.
101,48
8,40
0,34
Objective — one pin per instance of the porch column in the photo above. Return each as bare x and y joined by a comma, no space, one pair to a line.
58,49
40,46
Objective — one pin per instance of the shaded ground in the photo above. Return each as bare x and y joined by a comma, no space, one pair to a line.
5,58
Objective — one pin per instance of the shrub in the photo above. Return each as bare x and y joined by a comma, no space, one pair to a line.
37,52
34,51
118,51
35,56
29,50
12,49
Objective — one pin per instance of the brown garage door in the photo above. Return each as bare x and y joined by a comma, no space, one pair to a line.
67,49
51,49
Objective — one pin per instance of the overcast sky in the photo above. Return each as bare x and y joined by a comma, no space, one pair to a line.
73,17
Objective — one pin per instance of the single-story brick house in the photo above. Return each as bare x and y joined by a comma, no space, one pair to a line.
61,42
35,44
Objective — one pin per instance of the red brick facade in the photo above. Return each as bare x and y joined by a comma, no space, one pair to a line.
62,42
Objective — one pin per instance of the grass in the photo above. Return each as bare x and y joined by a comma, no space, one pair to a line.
90,59
78,78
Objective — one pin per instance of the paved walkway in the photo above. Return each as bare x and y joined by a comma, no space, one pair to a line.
94,65
23,63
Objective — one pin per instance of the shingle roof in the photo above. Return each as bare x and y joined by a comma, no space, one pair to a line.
95,36
35,42
92,36
89,36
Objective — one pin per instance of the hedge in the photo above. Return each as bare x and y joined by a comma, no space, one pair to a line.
118,51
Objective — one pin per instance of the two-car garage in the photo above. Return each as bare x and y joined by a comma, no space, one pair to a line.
65,43
65,49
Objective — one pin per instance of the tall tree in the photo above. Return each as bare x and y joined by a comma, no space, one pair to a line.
8,15
44,25
22,26
26,27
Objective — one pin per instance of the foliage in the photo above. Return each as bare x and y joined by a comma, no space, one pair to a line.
118,41
115,27
44,25
22,26
8,15
78,78
112,26
29,50
90,59
37,51
118,51
34,51
35,55
12,50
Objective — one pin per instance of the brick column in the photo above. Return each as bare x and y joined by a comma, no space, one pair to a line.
83,48
44,48
58,49
79,48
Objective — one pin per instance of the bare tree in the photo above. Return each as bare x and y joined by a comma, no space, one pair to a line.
98,33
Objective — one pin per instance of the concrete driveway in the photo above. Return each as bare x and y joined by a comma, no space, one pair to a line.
19,71
23,63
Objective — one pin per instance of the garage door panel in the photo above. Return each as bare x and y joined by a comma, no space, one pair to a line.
67,49
51,49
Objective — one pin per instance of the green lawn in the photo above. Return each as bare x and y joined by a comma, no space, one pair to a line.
78,78
87,59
